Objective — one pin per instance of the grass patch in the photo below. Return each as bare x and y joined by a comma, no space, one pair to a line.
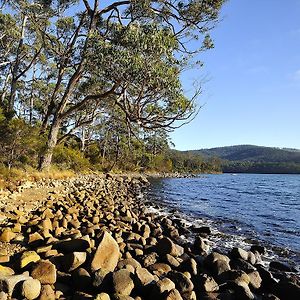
11,178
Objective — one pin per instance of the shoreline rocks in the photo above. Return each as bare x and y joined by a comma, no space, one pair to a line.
94,239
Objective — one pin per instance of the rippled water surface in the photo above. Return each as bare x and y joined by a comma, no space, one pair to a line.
262,207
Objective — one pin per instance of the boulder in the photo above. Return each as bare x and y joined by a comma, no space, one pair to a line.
122,282
239,253
75,245
164,285
7,235
47,293
6,271
8,283
255,280
129,261
207,283
167,246
35,239
150,259
220,266
28,257
182,282
160,269
102,296
144,277
31,289
82,279
107,254
259,249
45,272
173,295
276,265
241,291
73,260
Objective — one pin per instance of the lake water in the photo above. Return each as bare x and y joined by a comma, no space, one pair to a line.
263,208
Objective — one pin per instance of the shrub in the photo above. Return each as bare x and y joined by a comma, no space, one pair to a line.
67,158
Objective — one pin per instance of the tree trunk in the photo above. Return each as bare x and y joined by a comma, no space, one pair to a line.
46,158
14,80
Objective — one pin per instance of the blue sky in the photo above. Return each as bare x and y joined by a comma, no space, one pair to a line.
253,92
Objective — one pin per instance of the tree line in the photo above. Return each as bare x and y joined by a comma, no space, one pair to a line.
89,85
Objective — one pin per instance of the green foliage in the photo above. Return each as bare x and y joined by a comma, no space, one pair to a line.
100,79
68,158
20,143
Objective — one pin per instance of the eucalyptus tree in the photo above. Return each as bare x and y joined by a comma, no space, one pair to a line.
129,53
20,45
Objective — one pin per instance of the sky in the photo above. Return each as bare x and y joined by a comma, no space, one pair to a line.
251,93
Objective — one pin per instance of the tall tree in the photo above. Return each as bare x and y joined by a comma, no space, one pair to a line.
129,53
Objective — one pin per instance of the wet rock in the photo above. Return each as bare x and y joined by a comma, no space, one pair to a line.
276,265
189,265
260,249
183,283
200,247
220,266
255,280
207,283
242,291
122,282
167,246
203,231
241,264
45,272
31,289
239,253
268,280
107,254
287,290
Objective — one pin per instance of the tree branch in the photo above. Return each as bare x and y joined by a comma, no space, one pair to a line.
113,6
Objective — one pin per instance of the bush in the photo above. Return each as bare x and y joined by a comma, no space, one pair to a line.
67,158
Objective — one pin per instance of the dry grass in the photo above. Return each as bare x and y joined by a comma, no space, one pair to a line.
14,177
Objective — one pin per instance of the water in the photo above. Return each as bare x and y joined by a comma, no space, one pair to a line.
263,208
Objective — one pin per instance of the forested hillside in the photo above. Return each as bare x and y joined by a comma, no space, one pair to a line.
254,159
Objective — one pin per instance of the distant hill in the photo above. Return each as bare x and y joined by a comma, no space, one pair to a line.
256,159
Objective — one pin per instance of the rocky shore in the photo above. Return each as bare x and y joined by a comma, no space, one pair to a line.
94,238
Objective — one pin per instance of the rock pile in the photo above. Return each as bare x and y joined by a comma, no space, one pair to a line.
97,241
